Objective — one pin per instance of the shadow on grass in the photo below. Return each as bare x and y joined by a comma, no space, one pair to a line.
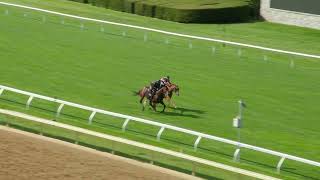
183,110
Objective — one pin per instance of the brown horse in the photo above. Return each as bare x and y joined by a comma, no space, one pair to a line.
145,92
173,88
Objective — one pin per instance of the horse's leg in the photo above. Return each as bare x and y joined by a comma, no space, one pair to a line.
164,106
154,107
141,99
144,104
143,95
173,104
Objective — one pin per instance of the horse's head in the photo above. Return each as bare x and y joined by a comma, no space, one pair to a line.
176,90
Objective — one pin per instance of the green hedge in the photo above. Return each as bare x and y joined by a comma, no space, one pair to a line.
197,15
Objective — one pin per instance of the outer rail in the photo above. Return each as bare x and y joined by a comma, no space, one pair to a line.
138,144
162,127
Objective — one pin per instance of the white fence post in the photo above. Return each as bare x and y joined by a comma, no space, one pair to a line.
196,143
91,116
59,110
1,91
159,133
280,164
125,124
236,155
29,102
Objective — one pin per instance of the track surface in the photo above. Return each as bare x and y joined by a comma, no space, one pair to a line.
28,156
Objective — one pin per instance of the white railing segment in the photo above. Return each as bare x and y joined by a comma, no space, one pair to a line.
164,32
137,144
163,127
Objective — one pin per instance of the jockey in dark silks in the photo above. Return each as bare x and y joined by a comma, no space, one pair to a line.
157,85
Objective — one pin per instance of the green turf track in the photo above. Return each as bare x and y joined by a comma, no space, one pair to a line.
102,69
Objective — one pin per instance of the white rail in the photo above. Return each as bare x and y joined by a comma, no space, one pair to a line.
164,32
138,144
162,127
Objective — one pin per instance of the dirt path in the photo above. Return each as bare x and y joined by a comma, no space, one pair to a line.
28,156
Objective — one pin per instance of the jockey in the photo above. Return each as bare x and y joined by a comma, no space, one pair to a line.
156,85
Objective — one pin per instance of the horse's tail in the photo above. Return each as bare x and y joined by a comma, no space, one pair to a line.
135,93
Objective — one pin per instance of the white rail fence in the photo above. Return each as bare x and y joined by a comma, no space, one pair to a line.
162,127
165,32
137,144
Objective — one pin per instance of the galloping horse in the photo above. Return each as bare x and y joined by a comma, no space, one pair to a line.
173,88
144,92
158,98
163,94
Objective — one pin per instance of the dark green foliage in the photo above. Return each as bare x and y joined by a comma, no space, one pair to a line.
145,9
99,3
223,15
118,5
184,15
255,8
81,1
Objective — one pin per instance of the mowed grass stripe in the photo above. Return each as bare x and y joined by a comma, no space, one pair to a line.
101,70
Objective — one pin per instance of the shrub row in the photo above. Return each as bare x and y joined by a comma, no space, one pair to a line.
221,15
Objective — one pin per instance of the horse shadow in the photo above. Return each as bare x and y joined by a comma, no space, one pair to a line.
183,110
179,111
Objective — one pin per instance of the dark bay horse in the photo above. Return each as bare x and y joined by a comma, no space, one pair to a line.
158,98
